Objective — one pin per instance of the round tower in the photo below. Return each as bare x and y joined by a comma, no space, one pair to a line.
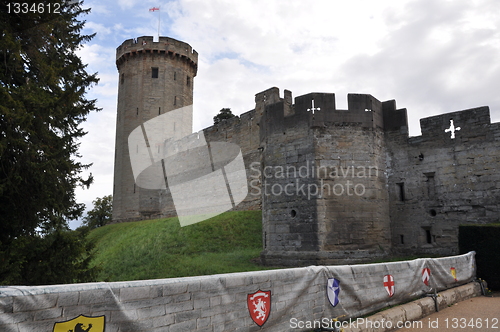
154,78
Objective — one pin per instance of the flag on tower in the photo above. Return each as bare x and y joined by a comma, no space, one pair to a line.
154,9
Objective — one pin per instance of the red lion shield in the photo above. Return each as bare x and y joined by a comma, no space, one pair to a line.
259,306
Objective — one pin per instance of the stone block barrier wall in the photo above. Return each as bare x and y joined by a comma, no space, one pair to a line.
272,300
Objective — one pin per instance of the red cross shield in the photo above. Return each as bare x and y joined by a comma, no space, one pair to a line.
259,306
389,284
426,275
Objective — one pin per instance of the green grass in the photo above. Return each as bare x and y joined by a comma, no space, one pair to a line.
153,249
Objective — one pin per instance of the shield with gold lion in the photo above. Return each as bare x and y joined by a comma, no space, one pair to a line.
81,323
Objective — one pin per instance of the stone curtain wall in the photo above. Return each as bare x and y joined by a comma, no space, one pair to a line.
445,181
219,302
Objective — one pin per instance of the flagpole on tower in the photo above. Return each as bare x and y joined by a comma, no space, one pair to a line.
159,20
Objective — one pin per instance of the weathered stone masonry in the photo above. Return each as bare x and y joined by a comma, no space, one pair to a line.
370,189
154,78
445,182
334,186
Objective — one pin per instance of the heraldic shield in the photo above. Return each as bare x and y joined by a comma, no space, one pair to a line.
259,306
333,290
81,324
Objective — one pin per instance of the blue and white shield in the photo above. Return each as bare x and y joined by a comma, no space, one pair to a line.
332,291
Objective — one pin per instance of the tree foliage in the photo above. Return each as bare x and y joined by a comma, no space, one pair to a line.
224,114
101,214
42,104
60,257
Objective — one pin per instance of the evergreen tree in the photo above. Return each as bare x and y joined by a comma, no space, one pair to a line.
42,104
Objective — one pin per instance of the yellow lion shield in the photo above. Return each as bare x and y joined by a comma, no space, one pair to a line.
81,323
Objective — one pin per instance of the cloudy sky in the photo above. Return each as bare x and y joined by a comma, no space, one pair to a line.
432,56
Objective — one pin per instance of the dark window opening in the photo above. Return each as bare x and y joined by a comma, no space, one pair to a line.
122,79
137,111
428,236
293,213
431,185
175,75
154,72
433,212
401,191
188,81
159,110
402,238
175,100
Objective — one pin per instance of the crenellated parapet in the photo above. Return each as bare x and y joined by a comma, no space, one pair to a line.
456,127
166,46
319,110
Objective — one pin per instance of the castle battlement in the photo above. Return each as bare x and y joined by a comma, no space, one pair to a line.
456,127
319,110
165,46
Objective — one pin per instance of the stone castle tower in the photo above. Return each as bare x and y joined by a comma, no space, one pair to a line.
154,78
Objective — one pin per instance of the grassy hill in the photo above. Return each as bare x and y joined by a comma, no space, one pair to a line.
160,248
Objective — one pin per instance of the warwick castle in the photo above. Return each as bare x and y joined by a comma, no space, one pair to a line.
334,186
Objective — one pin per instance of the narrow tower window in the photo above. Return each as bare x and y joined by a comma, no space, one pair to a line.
175,75
188,81
428,235
175,100
401,191
122,78
431,185
154,72
159,110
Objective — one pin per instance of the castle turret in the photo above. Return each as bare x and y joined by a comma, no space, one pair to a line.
154,78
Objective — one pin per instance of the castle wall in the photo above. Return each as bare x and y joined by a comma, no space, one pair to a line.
354,206
244,132
289,217
445,182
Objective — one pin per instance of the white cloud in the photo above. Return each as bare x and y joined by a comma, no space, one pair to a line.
434,61
98,28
